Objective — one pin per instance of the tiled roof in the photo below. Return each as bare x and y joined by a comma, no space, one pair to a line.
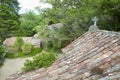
92,56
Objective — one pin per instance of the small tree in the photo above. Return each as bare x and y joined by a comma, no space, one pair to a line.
9,18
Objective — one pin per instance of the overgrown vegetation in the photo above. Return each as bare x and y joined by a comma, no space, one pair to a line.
16,47
75,15
22,54
45,59
9,18
1,50
28,21
1,55
21,49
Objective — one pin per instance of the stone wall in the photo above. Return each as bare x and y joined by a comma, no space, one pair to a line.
92,56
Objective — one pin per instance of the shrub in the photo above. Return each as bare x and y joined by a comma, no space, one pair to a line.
26,48
17,47
1,50
21,54
19,42
53,44
12,49
21,49
35,51
43,60
12,56
1,55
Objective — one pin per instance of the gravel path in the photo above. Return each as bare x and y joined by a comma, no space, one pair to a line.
11,66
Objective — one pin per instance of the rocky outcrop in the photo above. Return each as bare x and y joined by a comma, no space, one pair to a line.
11,45
35,41
92,56
9,41
29,40
55,27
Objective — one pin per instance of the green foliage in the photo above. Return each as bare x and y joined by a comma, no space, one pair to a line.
1,49
76,16
35,51
22,54
28,21
55,39
13,49
21,49
53,44
1,64
19,42
45,59
9,18
26,48
43,31
17,47
49,37
1,55
109,12
80,12
12,56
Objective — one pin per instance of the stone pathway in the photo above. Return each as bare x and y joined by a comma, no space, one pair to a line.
11,66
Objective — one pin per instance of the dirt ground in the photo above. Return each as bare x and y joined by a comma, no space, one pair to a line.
11,66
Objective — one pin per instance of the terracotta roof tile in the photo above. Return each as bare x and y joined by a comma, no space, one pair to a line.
92,56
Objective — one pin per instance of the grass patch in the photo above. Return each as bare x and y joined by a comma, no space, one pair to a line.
1,64
1,55
11,56
21,49
35,51
21,54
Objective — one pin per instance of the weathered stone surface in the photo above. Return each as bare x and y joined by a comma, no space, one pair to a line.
35,36
9,43
55,26
30,40
92,56
93,28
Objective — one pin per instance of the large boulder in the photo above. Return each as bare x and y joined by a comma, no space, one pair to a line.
12,47
35,36
33,41
9,41
29,40
9,45
55,26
